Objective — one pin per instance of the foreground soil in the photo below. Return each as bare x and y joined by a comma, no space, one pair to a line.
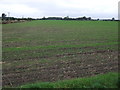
59,67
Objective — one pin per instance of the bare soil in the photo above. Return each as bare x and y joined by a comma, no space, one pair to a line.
61,67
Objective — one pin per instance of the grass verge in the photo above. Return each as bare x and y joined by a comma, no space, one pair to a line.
109,80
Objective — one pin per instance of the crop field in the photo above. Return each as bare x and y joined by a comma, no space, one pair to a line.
53,50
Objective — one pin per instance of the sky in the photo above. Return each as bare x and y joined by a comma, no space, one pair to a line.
60,8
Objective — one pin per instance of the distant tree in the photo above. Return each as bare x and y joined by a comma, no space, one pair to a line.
3,16
79,18
29,19
84,18
98,19
44,18
89,18
113,19
66,18
54,18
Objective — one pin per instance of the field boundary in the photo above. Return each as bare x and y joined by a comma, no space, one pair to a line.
57,46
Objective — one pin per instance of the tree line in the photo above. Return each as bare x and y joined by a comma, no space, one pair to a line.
5,18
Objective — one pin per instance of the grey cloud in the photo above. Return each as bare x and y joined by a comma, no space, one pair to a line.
73,8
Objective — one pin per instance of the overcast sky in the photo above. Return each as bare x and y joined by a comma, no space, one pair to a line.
60,8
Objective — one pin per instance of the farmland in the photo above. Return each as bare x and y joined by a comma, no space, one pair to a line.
52,50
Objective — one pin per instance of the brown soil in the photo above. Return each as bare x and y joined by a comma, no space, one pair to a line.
76,65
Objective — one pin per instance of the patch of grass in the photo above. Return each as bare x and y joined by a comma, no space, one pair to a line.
57,46
109,80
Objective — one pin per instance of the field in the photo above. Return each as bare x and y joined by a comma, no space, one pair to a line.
98,81
51,50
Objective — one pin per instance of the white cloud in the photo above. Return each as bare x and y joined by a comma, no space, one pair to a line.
19,8
73,8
